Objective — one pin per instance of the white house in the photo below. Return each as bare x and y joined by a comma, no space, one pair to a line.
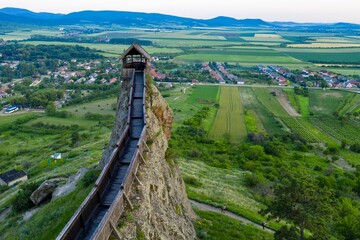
56,156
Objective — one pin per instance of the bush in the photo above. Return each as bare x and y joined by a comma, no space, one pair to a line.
21,201
89,178
192,181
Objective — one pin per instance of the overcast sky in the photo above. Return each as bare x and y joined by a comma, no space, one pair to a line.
270,10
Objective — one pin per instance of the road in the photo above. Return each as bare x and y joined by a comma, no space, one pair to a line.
206,207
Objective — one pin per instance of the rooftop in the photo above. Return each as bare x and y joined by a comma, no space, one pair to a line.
12,175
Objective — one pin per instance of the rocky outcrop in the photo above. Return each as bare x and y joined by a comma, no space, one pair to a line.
161,207
43,192
70,184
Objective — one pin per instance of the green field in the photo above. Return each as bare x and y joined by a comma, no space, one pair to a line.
110,50
326,102
251,103
219,186
245,56
337,55
230,119
104,107
216,226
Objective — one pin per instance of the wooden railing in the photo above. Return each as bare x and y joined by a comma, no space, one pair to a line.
81,217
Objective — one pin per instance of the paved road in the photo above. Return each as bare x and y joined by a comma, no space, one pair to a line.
206,207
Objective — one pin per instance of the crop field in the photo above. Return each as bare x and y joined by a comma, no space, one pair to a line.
247,56
251,102
113,49
333,127
185,100
325,55
325,45
300,103
325,102
269,101
349,104
230,119
25,34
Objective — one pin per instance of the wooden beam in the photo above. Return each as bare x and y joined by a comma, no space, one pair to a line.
147,146
128,201
142,158
115,231
138,180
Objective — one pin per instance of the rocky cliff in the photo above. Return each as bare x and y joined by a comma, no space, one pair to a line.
161,209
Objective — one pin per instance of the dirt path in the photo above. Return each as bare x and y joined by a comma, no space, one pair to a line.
206,207
286,105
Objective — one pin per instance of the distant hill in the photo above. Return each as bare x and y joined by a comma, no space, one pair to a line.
155,20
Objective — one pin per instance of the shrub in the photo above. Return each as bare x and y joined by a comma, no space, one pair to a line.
89,178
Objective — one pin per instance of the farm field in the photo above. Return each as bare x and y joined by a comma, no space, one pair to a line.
113,49
185,100
229,121
325,102
253,58
104,107
324,55
251,103
333,127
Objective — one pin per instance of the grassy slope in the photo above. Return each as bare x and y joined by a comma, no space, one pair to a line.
215,226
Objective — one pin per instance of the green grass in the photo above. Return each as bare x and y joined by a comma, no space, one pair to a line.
216,226
48,221
230,119
13,117
336,129
251,102
104,107
221,186
185,101
253,123
64,121
269,101
337,55
325,102
299,102
253,58
112,49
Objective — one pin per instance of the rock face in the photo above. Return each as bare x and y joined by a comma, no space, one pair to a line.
43,192
161,207
70,184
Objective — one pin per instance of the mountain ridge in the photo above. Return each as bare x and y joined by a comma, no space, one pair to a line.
18,15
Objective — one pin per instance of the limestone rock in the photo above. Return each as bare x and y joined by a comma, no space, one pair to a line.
161,207
43,192
70,184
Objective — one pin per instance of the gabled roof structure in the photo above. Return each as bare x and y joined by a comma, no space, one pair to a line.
135,49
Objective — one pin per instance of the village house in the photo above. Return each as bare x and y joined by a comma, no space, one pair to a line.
12,177
56,156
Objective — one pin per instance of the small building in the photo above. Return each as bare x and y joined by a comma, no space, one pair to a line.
12,177
56,156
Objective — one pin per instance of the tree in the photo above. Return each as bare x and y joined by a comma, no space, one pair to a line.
50,109
301,201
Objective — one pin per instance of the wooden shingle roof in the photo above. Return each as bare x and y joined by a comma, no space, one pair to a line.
12,175
135,49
